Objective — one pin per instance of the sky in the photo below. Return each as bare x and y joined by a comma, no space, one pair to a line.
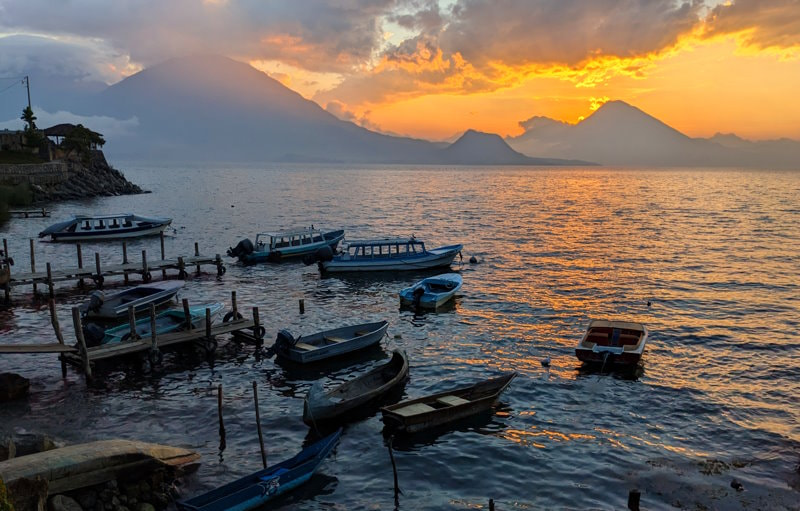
433,69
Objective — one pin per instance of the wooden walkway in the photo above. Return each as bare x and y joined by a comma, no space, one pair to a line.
29,213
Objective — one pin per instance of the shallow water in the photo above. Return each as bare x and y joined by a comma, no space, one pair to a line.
714,251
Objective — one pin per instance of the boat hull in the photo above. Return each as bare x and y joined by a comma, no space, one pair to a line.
166,322
431,299
612,343
133,232
600,357
276,256
116,306
376,333
436,258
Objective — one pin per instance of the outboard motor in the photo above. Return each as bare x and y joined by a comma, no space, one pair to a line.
243,248
284,340
322,254
96,299
418,292
93,334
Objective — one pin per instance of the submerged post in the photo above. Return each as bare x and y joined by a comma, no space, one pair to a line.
221,423
197,254
5,247
153,337
258,423
181,268
125,260
33,265
302,306
163,270
220,266
145,273
54,320
132,322
99,271
633,499
233,306
491,504
256,323
394,471
76,321
50,291
186,314
208,323
80,264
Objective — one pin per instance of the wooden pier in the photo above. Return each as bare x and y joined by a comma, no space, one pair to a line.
29,213
99,271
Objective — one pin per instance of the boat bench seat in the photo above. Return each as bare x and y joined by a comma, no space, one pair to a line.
415,409
361,333
452,400
305,347
334,339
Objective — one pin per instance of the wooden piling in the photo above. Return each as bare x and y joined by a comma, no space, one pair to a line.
491,504
33,263
76,321
125,258
258,423
5,247
153,336
197,254
221,422
145,273
80,263
256,326
186,314
57,328
302,306
99,279
633,499
233,306
208,323
394,471
220,266
132,322
50,290
163,257
181,268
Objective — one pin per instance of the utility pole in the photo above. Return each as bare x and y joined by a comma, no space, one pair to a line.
28,86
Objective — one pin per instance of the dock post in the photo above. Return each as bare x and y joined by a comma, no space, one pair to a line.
59,336
221,423
233,306
186,314
145,273
154,354
258,423
80,264
125,259
394,472
99,278
6,287
197,254
220,266
50,291
256,325
132,322
491,504
33,265
76,321
163,270
181,268
5,247
633,499
302,306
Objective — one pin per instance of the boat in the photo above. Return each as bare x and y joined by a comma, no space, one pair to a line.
255,490
327,344
278,246
100,306
105,227
431,292
389,254
321,406
614,342
171,320
430,411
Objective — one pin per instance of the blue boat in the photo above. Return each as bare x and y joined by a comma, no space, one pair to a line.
275,247
168,321
389,254
432,292
256,489
105,227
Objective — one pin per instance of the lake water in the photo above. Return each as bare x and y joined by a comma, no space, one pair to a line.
716,252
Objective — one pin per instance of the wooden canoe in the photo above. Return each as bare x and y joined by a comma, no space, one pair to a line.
335,404
437,409
256,489
329,343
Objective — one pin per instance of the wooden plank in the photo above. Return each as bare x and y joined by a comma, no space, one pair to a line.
37,348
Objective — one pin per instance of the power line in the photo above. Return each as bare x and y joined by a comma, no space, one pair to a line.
12,85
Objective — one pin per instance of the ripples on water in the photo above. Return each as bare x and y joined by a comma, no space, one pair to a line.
716,251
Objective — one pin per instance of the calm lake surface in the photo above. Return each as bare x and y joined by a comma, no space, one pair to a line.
717,252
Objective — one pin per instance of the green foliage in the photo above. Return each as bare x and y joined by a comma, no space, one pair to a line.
19,195
80,141
28,117
33,138
5,504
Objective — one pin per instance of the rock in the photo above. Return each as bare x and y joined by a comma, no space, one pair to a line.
144,488
13,386
25,493
160,500
7,448
131,490
87,500
736,485
64,503
98,506
31,443
473,260
144,506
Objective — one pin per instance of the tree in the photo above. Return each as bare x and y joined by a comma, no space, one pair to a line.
81,140
27,116
32,136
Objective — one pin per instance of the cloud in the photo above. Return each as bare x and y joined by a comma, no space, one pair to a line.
108,126
341,111
760,23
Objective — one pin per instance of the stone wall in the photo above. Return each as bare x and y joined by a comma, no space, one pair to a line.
41,174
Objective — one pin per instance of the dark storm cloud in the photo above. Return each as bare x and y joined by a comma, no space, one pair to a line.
764,23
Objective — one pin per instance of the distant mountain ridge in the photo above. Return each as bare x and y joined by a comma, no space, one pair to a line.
620,134
478,148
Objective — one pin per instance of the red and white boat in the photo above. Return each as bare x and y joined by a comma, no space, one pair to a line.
612,342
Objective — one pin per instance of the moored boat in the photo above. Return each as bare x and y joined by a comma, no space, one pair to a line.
105,227
171,320
278,246
612,342
100,306
437,409
257,489
432,292
335,404
329,343
389,254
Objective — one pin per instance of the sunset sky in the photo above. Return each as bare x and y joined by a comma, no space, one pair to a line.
432,68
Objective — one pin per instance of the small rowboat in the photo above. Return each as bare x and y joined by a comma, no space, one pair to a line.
105,227
256,489
437,409
614,342
100,306
171,320
320,406
432,292
328,344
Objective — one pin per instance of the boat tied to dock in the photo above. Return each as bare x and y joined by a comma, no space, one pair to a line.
275,247
105,227
389,254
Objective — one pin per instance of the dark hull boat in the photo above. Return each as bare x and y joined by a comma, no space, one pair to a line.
105,227
172,320
437,409
280,246
257,489
337,403
618,343
100,306
329,343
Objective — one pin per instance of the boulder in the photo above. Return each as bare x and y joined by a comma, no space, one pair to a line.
64,503
28,493
144,506
13,386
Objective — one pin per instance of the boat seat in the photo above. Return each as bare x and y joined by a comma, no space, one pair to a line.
415,409
305,347
452,400
335,339
361,333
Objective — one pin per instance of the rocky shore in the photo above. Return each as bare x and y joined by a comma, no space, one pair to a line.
93,179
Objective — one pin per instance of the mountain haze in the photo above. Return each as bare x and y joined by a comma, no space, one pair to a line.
477,148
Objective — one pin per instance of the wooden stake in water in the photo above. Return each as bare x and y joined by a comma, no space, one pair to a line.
633,500
221,423
33,264
80,264
394,471
99,279
153,337
57,328
50,291
197,254
163,271
302,306
258,423
76,321
256,324
144,266
235,315
125,260
186,314
132,322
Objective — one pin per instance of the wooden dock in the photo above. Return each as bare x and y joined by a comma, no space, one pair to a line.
99,271
29,213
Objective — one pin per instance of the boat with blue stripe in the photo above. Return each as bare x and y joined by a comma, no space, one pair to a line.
389,254
275,247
